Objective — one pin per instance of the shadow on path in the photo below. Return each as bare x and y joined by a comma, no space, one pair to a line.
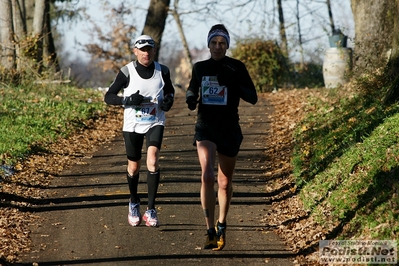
84,216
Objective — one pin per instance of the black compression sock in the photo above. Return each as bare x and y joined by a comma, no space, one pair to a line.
211,233
222,225
152,184
133,182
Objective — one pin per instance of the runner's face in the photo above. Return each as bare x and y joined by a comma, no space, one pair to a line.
218,47
145,55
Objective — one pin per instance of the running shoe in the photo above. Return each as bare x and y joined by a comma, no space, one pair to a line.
211,240
220,236
134,216
150,217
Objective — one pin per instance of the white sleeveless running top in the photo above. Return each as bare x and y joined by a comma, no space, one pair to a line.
140,118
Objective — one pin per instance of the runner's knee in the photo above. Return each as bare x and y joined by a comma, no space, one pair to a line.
224,183
133,167
208,179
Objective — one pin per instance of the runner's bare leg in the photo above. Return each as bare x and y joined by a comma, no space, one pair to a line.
207,155
225,192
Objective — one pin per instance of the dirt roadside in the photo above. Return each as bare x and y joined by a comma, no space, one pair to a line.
84,217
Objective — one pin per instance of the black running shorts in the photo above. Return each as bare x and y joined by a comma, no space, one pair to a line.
228,138
134,141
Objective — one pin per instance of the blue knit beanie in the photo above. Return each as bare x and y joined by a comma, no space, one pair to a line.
219,30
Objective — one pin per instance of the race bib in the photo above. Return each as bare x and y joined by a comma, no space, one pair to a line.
212,92
146,113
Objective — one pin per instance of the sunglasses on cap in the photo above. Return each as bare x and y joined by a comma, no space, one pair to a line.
150,42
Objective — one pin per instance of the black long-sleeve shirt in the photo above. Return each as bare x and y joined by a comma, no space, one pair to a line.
239,85
122,80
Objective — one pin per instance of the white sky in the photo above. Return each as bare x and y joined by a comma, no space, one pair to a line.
258,19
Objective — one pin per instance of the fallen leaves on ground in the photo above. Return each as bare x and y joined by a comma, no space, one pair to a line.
20,191
291,222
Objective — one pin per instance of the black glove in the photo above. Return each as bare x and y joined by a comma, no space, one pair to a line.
191,100
134,99
167,103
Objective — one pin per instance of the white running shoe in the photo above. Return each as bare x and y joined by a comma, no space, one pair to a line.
150,217
134,216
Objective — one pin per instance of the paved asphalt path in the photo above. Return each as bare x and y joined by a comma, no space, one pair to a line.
85,219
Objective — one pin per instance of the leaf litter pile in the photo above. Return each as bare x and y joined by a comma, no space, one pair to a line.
291,222
20,191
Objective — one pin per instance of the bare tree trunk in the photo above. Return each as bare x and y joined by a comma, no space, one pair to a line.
156,20
330,15
283,36
395,33
18,18
38,17
377,42
37,31
19,29
29,11
299,33
182,36
393,63
6,35
374,24
23,18
49,50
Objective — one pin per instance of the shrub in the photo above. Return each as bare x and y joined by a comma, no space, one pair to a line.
309,75
264,61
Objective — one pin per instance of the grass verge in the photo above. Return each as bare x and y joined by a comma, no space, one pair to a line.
346,165
33,116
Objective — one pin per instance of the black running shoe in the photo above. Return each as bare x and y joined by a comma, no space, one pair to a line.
211,240
220,236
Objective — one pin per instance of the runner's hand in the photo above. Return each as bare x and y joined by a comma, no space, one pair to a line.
134,99
167,103
191,102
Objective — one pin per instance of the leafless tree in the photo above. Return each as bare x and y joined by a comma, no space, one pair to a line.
186,49
375,36
330,16
19,27
187,15
6,35
377,41
38,25
113,47
26,26
299,32
156,20
283,35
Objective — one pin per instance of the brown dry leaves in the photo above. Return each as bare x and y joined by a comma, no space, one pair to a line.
19,191
292,223
287,214
14,236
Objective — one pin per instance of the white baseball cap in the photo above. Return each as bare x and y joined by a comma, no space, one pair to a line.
144,40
